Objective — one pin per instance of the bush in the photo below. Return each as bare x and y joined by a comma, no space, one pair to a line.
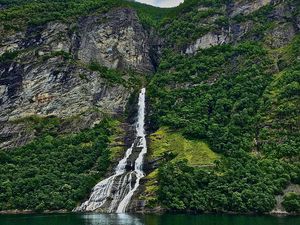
291,202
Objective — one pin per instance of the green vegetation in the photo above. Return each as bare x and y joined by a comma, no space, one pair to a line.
39,12
172,144
116,141
54,171
150,194
222,111
112,75
150,16
186,23
64,54
291,202
229,97
242,100
8,56
280,112
238,184
20,14
126,77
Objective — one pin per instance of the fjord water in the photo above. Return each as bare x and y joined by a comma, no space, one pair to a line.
115,192
127,219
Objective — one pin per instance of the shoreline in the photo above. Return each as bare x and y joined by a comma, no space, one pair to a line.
29,212
32,212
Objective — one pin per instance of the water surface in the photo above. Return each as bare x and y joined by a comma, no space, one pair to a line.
127,219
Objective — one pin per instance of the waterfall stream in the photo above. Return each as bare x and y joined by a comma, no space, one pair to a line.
115,192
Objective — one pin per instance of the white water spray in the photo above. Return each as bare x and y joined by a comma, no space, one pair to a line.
138,168
115,193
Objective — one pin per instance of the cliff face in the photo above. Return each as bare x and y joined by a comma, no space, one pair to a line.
116,40
241,26
45,71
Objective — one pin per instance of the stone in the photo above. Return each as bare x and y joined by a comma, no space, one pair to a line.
119,42
208,40
281,35
40,81
245,7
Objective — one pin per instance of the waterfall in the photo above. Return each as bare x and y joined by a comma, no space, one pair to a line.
115,192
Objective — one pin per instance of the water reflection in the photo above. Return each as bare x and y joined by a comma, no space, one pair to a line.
127,219
111,219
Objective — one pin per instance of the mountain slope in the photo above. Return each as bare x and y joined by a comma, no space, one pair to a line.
222,77
229,76
60,76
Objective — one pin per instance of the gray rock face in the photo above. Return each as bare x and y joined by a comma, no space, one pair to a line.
281,35
118,42
246,7
49,76
239,30
285,25
55,88
232,33
10,43
208,40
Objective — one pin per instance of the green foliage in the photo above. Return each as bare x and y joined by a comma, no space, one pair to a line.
8,56
242,99
126,77
279,113
54,171
238,184
186,23
221,111
165,143
150,16
112,75
32,12
21,13
64,54
291,202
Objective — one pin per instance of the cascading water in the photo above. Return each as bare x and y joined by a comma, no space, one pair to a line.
114,193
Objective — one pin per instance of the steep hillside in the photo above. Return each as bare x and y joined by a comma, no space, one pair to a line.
66,69
229,76
66,66
223,89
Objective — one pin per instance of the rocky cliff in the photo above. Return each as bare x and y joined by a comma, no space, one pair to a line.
236,23
45,71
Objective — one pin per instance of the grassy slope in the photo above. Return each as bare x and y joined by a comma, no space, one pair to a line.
197,153
164,143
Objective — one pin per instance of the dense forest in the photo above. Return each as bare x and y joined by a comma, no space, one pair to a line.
241,98
54,171
20,14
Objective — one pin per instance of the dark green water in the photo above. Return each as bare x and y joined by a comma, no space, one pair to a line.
126,219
